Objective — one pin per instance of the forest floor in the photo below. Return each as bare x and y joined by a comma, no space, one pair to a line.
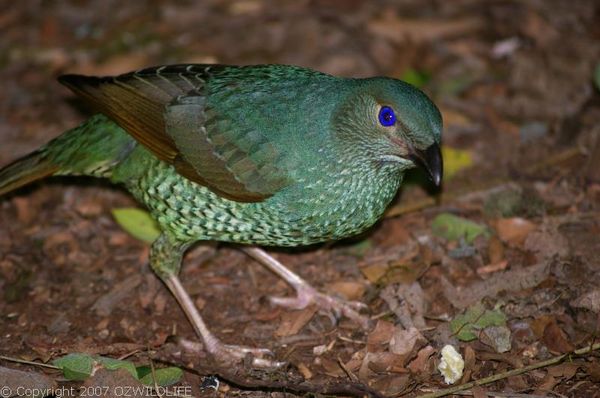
503,263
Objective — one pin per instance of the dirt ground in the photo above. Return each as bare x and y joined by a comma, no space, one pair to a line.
515,83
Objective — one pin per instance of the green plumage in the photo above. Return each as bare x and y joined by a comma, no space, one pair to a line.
307,145
266,155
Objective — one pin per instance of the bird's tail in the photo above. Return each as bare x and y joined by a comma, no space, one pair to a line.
92,149
26,170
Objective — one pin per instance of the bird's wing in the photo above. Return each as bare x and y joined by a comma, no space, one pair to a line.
165,110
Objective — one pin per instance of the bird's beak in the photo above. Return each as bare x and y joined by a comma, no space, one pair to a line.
431,160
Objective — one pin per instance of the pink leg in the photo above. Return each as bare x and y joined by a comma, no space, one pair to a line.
305,293
222,352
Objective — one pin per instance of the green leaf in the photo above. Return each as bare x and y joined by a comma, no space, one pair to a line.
114,364
597,76
415,77
455,160
75,366
451,227
137,222
164,376
466,326
143,371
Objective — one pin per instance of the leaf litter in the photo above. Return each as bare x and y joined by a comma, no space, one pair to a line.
515,227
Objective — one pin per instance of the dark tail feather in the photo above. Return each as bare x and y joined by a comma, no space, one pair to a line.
25,170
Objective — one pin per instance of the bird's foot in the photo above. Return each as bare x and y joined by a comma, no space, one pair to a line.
307,295
228,354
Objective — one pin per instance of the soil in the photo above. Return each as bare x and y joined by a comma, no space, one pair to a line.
515,83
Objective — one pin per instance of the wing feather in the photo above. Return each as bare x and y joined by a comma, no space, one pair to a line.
165,109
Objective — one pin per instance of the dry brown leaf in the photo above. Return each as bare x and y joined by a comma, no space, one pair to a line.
514,230
517,279
589,300
490,268
349,290
15,380
538,325
495,250
305,371
378,362
117,295
107,384
405,342
293,321
380,337
374,272
392,385
479,392
593,370
421,363
399,30
566,370
556,339
470,363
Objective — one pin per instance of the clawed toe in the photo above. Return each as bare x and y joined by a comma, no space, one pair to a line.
230,354
306,295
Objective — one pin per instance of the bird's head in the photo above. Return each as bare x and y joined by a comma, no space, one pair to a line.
390,122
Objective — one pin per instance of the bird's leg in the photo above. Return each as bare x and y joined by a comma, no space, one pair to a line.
165,260
305,293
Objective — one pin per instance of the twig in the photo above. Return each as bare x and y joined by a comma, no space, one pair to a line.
348,372
23,361
514,372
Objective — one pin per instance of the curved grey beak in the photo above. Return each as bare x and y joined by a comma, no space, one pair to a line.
431,160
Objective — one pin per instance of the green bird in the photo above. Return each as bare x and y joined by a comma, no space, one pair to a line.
262,155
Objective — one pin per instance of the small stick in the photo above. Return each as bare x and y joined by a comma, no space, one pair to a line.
23,361
514,372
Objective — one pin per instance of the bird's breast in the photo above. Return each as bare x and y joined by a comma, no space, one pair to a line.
314,209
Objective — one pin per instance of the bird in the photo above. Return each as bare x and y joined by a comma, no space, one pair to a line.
255,155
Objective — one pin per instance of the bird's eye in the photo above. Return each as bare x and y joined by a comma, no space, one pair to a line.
387,117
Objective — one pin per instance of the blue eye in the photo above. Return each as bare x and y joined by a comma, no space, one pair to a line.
387,117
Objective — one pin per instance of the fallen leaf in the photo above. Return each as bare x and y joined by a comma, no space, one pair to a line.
451,227
76,366
495,250
162,377
293,321
490,268
399,30
305,371
538,325
137,222
513,280
38,385
348,289
556,339
380,337
455,160
470,364
415,77
421,363
374,272
589,300
497,337
107,384
405,341
392,385
467,326
117,295
514,230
